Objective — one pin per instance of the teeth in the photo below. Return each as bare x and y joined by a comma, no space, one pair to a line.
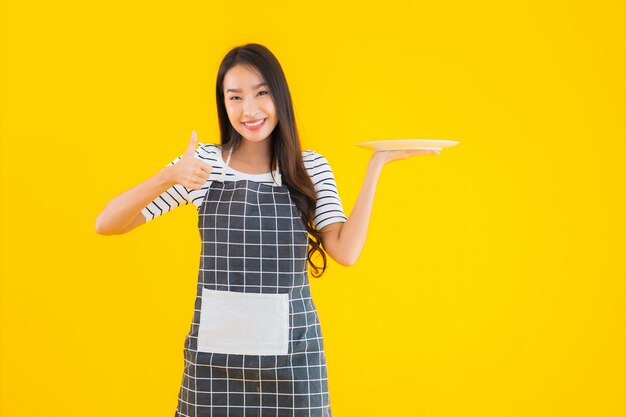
255,124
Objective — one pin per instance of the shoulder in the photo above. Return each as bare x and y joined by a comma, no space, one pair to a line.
318,169
313,161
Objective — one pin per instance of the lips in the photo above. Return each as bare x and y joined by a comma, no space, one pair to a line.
253,121
261,123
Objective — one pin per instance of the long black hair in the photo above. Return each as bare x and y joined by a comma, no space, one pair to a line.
285,142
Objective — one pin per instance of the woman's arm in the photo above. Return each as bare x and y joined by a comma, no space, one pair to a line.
344,241
123,212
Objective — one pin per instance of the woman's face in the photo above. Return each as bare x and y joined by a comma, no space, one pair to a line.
248,101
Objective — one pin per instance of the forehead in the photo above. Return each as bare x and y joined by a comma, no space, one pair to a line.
242,77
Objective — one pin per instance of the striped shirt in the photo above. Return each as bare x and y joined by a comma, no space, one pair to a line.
328,207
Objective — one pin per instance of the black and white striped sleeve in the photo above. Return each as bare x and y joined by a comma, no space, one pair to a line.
175,196
329,208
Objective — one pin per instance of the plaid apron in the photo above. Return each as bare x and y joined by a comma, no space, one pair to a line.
255,345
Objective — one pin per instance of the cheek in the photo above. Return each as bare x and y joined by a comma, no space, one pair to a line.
232,111
271,108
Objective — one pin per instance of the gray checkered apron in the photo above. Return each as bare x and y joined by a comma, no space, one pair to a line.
255,345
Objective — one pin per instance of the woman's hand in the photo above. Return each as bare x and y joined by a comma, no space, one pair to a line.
190,171
382,157
123,212
344,241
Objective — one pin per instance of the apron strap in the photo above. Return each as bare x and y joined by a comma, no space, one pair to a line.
277,178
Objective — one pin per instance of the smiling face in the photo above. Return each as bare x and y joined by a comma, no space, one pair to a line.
248,101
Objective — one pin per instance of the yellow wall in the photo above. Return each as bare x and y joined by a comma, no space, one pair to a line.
492,280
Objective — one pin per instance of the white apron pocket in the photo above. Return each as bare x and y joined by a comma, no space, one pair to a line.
244,323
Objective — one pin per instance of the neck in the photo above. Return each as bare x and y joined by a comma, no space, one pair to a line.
254,153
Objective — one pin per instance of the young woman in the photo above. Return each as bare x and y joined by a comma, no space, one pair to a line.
265,209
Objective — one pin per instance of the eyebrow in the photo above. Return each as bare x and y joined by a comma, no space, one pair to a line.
238,90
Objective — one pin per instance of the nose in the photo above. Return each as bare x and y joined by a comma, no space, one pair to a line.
249,108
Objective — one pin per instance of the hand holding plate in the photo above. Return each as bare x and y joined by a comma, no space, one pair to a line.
385,156
392,150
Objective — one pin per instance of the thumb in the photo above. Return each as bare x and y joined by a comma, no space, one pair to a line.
192,144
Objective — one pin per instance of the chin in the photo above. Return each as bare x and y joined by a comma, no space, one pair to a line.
255,138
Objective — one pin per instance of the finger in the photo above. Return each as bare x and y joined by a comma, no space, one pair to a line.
202,169
413,152
424,152
205,167
202,175
191,148
192,183
198,181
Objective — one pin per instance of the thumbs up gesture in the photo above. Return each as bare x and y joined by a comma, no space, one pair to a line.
190,171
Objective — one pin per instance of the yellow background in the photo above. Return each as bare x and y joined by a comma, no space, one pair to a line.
492,280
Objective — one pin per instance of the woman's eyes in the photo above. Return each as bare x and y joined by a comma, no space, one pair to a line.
262,91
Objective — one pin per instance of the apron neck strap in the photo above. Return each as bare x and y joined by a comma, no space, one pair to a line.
277,177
